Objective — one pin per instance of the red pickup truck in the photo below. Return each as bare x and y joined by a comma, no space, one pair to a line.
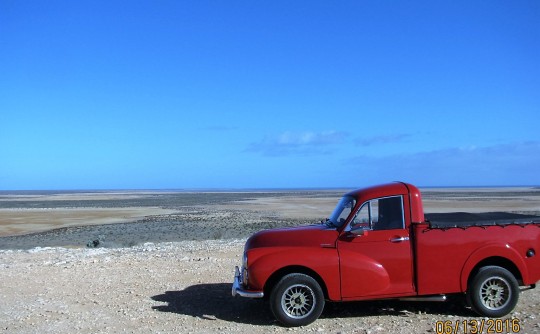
377,244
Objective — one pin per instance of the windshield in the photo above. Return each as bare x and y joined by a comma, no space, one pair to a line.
341,212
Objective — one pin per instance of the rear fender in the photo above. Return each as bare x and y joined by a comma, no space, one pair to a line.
494,252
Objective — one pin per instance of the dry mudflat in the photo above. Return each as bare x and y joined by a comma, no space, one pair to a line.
164,263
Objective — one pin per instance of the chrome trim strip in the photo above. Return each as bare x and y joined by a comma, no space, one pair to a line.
238,290
435,298
400,239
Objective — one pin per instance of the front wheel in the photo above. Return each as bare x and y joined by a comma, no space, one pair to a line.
493,292
297,300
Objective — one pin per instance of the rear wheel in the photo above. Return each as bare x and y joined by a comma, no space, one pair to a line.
493,292
297,300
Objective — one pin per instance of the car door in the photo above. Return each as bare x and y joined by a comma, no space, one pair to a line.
375,251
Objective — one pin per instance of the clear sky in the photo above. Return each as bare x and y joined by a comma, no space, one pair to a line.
264,94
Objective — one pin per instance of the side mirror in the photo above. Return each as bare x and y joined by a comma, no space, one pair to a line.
358,231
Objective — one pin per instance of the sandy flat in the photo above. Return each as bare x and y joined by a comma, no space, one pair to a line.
78,195
21,221
436,200
300,207
19,216
514,199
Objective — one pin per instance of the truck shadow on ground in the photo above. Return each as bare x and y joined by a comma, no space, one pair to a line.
454,308
214,301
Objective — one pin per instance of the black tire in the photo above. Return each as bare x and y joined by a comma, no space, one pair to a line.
297,300
493,292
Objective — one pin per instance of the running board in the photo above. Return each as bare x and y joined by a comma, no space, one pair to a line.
436,298
530,287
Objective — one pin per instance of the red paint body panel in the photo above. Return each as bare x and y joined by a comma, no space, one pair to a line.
445,258
311,247
399,262
372,265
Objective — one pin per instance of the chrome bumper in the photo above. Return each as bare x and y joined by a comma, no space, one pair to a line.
237,288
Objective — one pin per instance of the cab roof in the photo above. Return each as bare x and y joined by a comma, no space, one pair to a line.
381,190
391,189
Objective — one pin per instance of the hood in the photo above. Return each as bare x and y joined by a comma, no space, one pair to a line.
302,236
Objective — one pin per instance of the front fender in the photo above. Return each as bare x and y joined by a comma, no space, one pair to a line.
263,262
495,250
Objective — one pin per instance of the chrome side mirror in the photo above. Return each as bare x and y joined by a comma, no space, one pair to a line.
358,231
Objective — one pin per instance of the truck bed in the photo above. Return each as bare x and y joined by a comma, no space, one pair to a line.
465,219
445,255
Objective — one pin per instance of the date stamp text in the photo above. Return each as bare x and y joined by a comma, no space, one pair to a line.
478,326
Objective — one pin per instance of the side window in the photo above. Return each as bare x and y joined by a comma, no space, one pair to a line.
390,214
380,214
362,219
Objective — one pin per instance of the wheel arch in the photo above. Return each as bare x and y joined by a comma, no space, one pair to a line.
277,275
496,254
497,261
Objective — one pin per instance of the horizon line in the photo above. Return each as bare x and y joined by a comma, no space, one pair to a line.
231,189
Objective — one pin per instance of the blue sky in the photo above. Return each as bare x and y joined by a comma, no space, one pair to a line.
263,94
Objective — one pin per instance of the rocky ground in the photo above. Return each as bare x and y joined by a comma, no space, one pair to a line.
173,274
184,287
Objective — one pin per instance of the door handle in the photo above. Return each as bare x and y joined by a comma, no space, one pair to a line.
399,239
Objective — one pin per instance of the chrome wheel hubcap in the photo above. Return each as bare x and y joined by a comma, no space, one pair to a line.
298,301
495,293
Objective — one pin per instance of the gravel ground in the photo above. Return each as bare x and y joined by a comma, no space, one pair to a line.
184,287
172,273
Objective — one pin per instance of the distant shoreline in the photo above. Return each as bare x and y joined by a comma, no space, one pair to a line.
167,191
237,190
